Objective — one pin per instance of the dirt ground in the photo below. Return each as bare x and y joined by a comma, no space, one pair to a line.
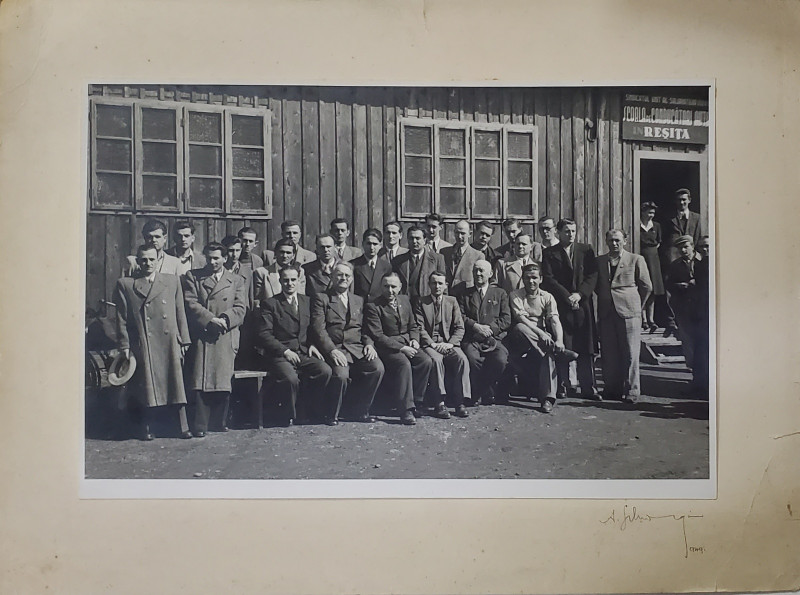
664,436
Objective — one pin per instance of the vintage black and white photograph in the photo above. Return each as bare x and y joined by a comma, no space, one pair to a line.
365,283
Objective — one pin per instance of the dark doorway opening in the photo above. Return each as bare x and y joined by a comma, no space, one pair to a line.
659,179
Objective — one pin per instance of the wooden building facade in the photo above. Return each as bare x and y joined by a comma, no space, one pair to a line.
375,154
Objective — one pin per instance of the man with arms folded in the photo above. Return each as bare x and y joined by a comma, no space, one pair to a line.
415,266
508,271
340,230
370,268
458,261
336,318
183,250
434,224
290,230
392,234
216,302
318,272
623,284
266,281
296,367
154,233
391,325
487,317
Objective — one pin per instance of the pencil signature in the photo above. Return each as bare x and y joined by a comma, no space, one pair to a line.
630,515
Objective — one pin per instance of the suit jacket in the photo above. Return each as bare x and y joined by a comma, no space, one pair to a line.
338,328
627,290
301,257
693,227
441,245
430,262
317,280
459,277
366,282
507,251
389,330
691,299
383,252
281,329
489,253
169,266
452,321
494,309
350,253
508,274
266,283
198,261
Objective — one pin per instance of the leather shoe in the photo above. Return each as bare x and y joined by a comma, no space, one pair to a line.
592,396
186,435
408,418
331,422
631,399
417,411
561,393
147,437
223,428
199,434
461,411
441,412
547,405
366,419
488,401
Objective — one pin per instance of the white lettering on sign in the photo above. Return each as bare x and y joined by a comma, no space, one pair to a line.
666,133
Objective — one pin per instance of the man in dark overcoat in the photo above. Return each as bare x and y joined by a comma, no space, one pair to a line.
415,266
370,268
569,272
216,302
151,324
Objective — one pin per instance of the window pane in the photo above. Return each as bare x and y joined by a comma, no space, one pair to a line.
113,120
519,145
205,127
418,170
453,201
418,199
159,157
205,193
159,191
247,130
520,173
114,190
487,202
418,140
453,172
520,202
205,160
248,163
158,124
487,173
114,154
248,195
451,142
487,143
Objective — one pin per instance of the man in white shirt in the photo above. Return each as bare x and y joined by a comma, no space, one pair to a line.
434,224
183,249
392,234
340,231
154,233
290,230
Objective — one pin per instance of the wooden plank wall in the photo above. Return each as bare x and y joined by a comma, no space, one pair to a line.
334,155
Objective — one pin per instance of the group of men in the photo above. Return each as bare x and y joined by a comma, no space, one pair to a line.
431,327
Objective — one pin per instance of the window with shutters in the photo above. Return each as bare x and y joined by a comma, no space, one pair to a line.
467,169
168,157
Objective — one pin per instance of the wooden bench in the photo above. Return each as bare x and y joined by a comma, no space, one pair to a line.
259,376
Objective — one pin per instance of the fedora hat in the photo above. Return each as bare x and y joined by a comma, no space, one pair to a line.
121,369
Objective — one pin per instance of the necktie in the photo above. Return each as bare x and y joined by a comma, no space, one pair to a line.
456,258
293,302
395,306
372,265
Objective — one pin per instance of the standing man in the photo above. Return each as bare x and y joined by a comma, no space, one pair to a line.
684,223
290,230
246,356
434,224
183,250
248,257
370,268
336,318
151,325
392,234
484,233
459,260
391,325
318,272
154,233
547,231
415,266
266,279
570,275
441,329
623,285
216,302
686,298
511,228
340,230
508,271
487,317
297,368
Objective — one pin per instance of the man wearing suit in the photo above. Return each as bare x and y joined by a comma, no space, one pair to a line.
369,268
296,367
415,266
508,271
340,230
684,223
548,232
392,234
391,325
487,317
511,228
248,257
154,233
336,318
441,329
569,270
266,281
290,230
183,250
434,224
459,260
216,302
151,324
686,297
484,233
318,272
246,356
623,284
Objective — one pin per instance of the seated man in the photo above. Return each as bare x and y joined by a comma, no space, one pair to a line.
370,268
336,319
536,337
216,302
266,281
441,329
296,367
458,261
391,325
318,272
487,317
